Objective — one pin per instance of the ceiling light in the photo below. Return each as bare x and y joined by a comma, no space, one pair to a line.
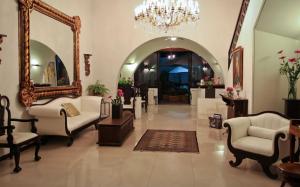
167,14
173,39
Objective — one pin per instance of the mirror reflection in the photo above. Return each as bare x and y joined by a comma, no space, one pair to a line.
47,68
51,52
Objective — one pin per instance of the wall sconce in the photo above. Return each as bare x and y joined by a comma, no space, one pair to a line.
87,64
1,41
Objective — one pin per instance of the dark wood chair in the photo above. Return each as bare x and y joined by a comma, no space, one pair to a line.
144,95
129,99
16,141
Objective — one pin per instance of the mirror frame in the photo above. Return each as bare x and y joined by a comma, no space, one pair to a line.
27,92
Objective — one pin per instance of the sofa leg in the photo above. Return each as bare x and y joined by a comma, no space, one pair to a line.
238,161
267,171
70,141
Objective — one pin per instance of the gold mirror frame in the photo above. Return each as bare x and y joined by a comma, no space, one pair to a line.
28,93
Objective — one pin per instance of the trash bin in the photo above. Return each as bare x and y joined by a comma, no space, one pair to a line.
215,121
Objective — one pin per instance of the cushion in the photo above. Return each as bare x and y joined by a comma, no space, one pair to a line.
261,132
254,145
70,109
19,137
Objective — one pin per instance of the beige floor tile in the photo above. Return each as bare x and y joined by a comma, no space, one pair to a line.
87,164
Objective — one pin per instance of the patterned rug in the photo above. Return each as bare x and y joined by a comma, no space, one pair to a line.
168,141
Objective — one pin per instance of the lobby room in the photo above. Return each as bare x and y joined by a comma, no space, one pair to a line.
142,93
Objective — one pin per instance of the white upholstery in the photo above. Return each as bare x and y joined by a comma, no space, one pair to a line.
19,137
52,122
127,106
254,145
261,132
256,134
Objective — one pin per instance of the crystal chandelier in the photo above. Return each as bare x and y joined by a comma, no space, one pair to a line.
167,14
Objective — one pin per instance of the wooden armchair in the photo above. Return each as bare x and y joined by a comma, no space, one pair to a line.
144,95
129,100
16,141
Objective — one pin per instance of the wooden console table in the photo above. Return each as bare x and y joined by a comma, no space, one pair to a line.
237,107
114,131
292,108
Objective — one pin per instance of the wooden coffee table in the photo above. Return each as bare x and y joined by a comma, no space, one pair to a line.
114,131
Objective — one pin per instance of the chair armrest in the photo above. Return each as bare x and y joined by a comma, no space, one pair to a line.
32,122
46,111
237,127
91,104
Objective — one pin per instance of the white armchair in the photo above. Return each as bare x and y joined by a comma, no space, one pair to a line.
263,137
53,119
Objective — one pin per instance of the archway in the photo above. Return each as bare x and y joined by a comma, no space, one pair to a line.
144,50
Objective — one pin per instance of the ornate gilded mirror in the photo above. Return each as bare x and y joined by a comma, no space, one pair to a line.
49,49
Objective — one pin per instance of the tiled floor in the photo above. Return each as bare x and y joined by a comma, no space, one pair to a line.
85,164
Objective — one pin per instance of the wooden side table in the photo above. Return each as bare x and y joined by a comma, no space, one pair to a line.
291,171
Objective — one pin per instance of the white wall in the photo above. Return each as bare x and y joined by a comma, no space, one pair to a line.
118,37
246,40
269,86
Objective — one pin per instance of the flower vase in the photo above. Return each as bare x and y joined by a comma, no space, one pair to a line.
117,111
292,92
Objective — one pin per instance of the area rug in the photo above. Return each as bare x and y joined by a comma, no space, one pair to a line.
168,141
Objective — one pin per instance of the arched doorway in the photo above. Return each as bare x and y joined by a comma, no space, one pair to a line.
155,55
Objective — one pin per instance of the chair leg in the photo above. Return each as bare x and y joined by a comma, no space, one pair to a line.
237,162
282,184
267,171
16,151
37,149
11,153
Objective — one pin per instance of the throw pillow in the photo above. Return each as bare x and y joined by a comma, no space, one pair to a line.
70,109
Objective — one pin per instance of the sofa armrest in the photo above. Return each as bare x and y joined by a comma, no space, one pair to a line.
91,104
284,131
46,111
237,127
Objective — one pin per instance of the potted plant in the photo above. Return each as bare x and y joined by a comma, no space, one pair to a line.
97,89
117,107
290,67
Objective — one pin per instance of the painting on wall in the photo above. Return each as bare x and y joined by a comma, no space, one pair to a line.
237,62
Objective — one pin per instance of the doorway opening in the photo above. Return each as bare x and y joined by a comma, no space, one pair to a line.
174,72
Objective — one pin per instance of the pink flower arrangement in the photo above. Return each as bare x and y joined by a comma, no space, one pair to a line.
290,67
229,89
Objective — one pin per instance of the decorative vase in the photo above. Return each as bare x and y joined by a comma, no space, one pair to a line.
117,111
292,92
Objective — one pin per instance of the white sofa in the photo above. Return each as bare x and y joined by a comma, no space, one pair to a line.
53,119
263,137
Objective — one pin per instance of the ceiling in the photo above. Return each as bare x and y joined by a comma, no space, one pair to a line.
281,17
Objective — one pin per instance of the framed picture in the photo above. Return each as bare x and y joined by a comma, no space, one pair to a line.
237,62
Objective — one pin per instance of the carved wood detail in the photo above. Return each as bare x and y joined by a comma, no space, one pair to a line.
28,93
87,64
1,41
238,28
